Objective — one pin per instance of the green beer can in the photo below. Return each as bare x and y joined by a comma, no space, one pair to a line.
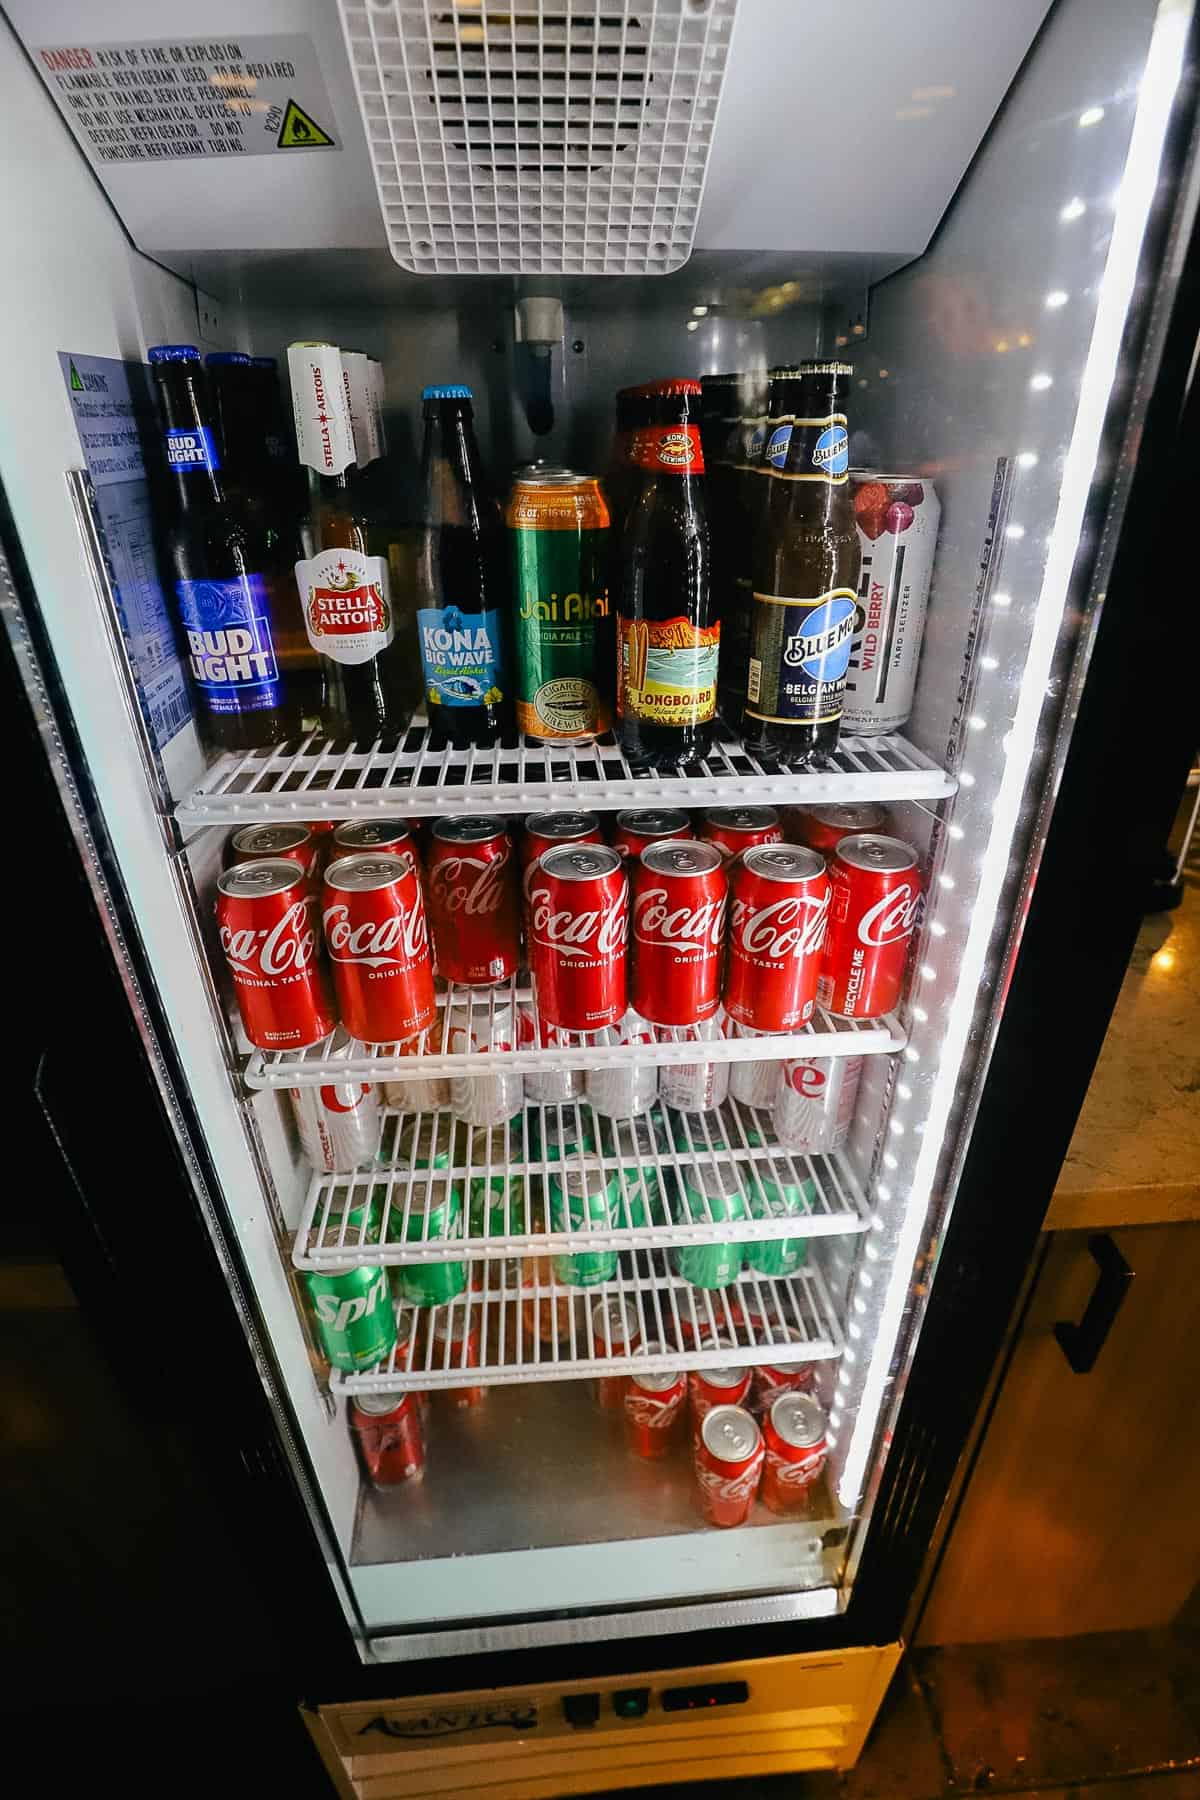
354,1316
775,1193
558,533
581,1198
711,1192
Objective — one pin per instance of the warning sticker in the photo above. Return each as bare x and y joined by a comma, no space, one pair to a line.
150,102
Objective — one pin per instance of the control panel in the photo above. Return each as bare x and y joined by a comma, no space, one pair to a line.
582,1711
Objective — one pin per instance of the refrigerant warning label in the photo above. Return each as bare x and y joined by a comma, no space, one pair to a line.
151,102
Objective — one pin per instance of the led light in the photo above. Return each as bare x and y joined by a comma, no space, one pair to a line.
1074,209
1092,116
911,1055
1014,531
866,1280
831,1439
835,1418
871,1250
693,325
954,831
976,722
854,1329
966,779
883,374
896,1129
698,312
1039,383
937,929
860,1307
883,1193
902,1089
989,662
1001,599
1028,459
890,1162
850,1356
1056,297
843,1379
927,970
946,881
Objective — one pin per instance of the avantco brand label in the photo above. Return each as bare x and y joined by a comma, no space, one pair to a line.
347,613
800,653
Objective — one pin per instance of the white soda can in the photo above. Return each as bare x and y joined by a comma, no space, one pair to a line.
428,1092
338,1125
696,1087
547,1087
897,520
484,1099
815,1103
625,1092
754,1083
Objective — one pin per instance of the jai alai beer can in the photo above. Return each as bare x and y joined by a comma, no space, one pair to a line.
874,906
635,830
338,1125
737,828
716,1387
266,916
654,1402
897,519
615,1332
772,1380
630,1087
378,944
473,913
391,836
391,1440
678,928
297,842
823,827
696,1086
815,1103
354,1316
578,918
779,906
558,535
796,1451
728,1461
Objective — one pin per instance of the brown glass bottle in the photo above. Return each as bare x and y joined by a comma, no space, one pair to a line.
667,641
805,576
733,405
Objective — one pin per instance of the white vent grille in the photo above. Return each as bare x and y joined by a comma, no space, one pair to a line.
570,137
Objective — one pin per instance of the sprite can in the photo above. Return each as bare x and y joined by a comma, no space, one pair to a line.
435,1211
712,1192
694,1132
558,535
354,1316
775,1192
353,1213
637,1144
580,1198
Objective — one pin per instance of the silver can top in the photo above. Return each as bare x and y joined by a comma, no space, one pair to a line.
636,1137
366,874
783,862
378,1404
579,862
882,855
257,880
452,1322
798,1421
371,834
720,1179
681,856
270,840
470,830
655,1381
741,818
863,815
616,1318
653,819
538,474
564,825
727,1375
729,1434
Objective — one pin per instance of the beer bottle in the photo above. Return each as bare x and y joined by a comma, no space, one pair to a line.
666,640
462,579
732,406
344,589
806,577
233,613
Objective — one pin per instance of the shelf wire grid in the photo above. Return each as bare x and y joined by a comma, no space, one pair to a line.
498,1180
320,778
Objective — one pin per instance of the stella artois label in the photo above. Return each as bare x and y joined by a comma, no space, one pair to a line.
347,613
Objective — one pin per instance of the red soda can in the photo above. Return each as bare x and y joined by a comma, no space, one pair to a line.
796,1451
579,920
716,1387
473,902
390,1438
546,831
654,1402
636,830
737,828
773,1380
823,827
392,836
456,1346
874,905
266,916
615,1332
378,944
779,904
679,898
728,1460
297,842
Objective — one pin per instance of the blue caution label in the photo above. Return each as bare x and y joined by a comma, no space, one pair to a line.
232,653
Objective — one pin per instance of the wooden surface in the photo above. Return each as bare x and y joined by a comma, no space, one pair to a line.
1083,1511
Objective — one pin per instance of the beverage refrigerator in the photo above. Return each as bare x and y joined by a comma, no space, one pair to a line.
991,219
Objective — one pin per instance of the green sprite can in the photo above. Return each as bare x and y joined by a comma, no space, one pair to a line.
498,1205
637,1144
435,1211
354,1316
581,1198
694,1132
558,534
355,1213
711,1192
559,1130
774,1192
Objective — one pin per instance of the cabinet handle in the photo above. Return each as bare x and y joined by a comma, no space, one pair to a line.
1081,1344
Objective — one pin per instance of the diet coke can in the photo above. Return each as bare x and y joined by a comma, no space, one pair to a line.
728,1461
391,836
700,1086
754,1082
636,830
615,1332
378,944
578,917
823,827
297,842
546,1087
737,828
266,916
779,903
473,902
874,906
338,1125
679,899
491,1099
815,1103
796,1451
654,1402
632,1087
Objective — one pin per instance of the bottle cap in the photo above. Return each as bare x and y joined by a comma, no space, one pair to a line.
264,362
452,391
217,359
161,353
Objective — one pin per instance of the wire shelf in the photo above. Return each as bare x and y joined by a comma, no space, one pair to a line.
761,1320
475,1011
321,778
500,1179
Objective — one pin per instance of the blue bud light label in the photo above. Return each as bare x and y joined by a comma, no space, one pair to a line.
232,653
194,448
460,655
777,445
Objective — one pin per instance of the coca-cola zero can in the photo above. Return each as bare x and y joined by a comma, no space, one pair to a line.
473,901
635,830
266,917
378,944
679,899
737,828
779,904
578,913
875,901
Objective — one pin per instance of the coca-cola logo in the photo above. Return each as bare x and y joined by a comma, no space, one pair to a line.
657,922
289,945
805,1078
596,931
400,938
891,918
469,884
793,926
344,1099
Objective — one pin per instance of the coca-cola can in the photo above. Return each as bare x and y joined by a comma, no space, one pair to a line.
546,1087
378,944
779,904
298,843
546,831
455,1335
578,915
390,1437
737,828
716,1387
653,1404
615,1332
391,836
874,906
679,899
773,1380
815,1103
728,1461
498,1096
823,827
266,917
754,1082
637,830
338,1125
696,1086
473,912
796,1451
632,1087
